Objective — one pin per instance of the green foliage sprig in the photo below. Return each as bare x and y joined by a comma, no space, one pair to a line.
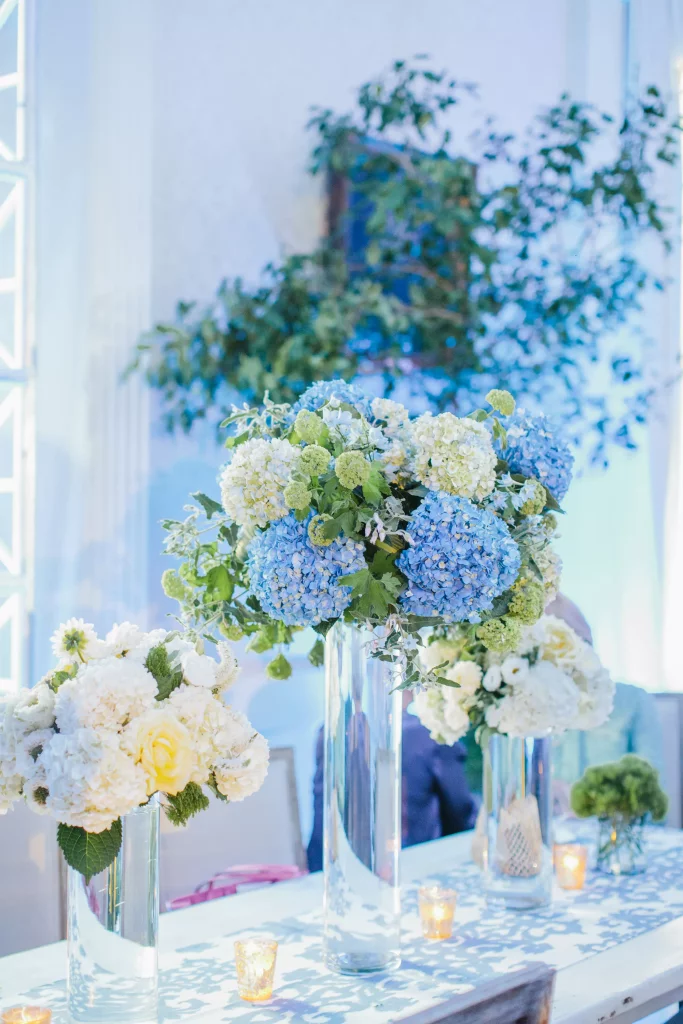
621,790
506,258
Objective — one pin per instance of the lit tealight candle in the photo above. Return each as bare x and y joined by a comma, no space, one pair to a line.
437,909
27,1015
255,962
570,865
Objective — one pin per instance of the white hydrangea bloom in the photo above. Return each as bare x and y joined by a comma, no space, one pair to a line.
467,674
106,694
454,455
596,698
90,779
393,413
542,700
123,638
243,772
214,728
253,483
441,711
148,641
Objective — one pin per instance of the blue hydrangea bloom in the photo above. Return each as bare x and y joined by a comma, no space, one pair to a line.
535,448
318,394
295,580
462,558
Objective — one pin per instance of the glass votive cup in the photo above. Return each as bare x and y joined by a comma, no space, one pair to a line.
437,910
255,963
27,1015
571,860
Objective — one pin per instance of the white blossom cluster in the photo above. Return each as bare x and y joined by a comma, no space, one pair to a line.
253,483
553,682
96,737
454,455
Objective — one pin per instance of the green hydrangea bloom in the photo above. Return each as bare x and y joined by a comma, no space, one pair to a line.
308,426
279,668
315,530
297,495
352,469
173,585
527,601
550,522
534,505
500,635
314,459
623,790
501,401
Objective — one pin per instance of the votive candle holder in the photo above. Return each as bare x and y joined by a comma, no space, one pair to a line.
255,963
571,860
437,910
27,1015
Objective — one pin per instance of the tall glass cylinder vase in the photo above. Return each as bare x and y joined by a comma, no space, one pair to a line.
362,820
519,868
112,930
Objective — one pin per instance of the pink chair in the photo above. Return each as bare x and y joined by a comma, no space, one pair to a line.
227,883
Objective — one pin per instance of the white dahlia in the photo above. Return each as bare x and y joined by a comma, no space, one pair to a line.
75,642
253,483
454,455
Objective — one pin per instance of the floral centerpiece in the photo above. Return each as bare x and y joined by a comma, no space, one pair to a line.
344,508
622,795
117,721
552,681
347,515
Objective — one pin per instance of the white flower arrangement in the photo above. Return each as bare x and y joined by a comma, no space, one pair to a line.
554,681
117,721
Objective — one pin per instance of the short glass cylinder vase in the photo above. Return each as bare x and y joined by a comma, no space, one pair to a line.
112,930
621,846
362,806
518,787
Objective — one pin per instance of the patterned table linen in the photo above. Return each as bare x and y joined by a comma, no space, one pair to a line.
198,980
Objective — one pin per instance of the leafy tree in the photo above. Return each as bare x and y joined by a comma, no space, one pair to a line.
504,261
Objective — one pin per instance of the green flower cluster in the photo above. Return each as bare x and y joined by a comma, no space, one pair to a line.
500,635
308,426
314,459
297,495
352,469
534,505
527,601
623,790
501,401
315,530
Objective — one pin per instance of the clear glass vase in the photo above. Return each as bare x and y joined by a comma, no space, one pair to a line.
518,786
362,820
112,930
621,846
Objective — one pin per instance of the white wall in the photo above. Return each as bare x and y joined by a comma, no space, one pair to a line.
172,152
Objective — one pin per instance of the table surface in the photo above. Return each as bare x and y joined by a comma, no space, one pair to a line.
616,946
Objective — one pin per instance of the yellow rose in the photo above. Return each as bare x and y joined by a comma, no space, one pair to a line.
163,746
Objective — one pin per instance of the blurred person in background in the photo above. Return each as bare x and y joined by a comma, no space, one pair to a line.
436,798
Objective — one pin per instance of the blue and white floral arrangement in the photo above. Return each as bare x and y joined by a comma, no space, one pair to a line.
342,506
